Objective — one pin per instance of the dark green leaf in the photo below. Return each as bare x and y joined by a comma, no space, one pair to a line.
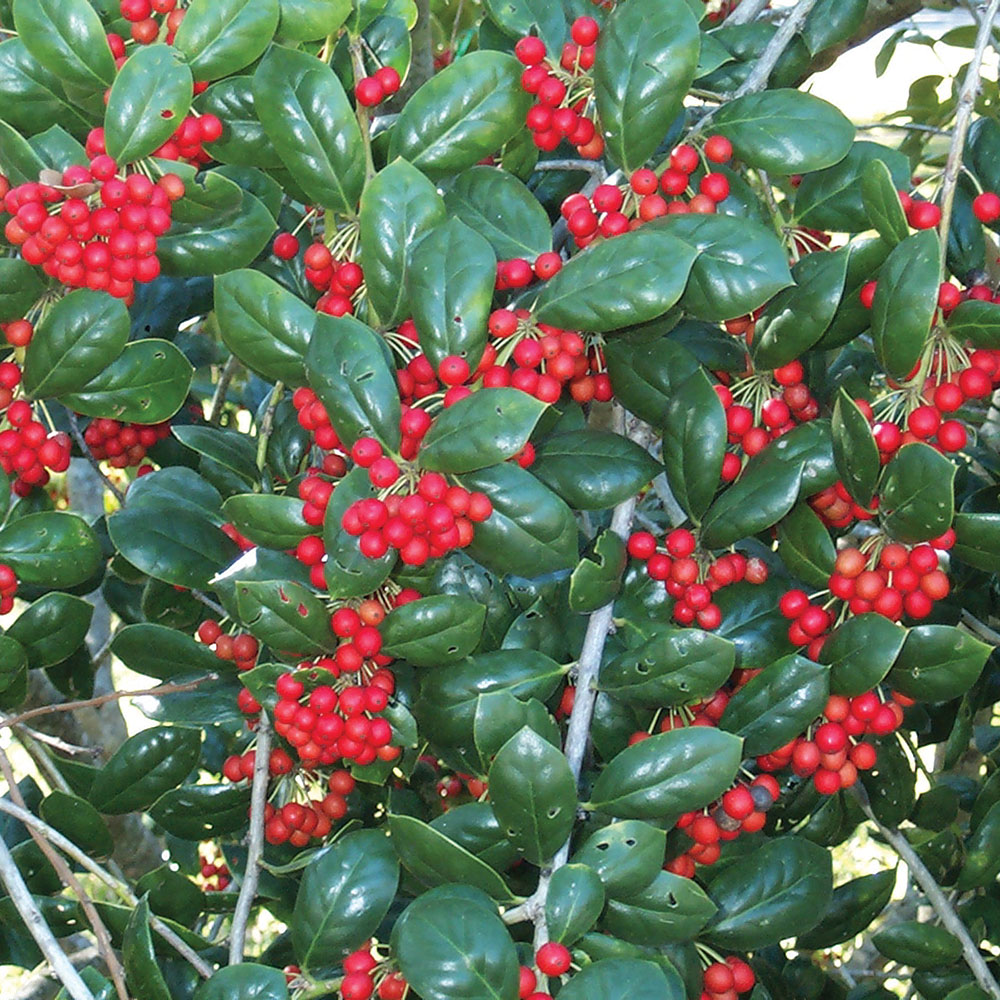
597,577
202,812
52,628
760,498
286,616
854,449
345,892
627,856
780,890
18,161
162,652
20,286
621,979
573,903
646,376
244,981
853,906
976,321
243,141
149,99
219,37
500,716
938,663
917,494
433,631
78,820
881,200
306,20
860,653
142,971
520,17
672,908
229,448
270,520
50,549
919,945
832,21
805,546
36,98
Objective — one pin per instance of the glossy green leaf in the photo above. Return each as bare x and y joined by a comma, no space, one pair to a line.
785,131
905,302
760,498
832,21
531,530
270,520
502,210
811,445
890,784
305,112
146,384
450,942
780,890
161,652
881,200
592,469
13,669
349,370
398,206
799,316
18,161
938,663
450,279
144,767
286,616
917,494
852,908
621,979
860,653
202,812
434,859
264,325
434,630
481,430
232,450
805,546
573,903
854,449
740,265
617,283
243,141
37,99
20,287
50,549
465,112
597,578
645,66
525,17
977,531
672,908
500,716
674,667
345,891
68,39
533,793
244,981
694,444
976,321
149,99
80,336
307,20
982,862
668,774
646,376
919,945
52,628
627,856
78,820
219,37
142,971
777,704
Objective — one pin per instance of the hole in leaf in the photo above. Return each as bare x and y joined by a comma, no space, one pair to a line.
453,649
630,842
603,847
364,377
166,113
553,812
671,899
642,667
456,319
302,610
285,599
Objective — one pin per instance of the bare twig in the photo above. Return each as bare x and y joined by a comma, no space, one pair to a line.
221,388
74,429
39,929
963,119
757,80
53,741
587,166
117,885
361,112
258,802
904,126
971,622
203,598
68,879
267,423
747,11
937,899
72,706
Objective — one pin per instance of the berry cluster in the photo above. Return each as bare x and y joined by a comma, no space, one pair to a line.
365,975
186,144
215,875
743,809
241,649
920,214
692,580
340,279
374,89
94,229
145,27
612,210
28,451
123,445
8,588
564,93
727,979
518,273
832,754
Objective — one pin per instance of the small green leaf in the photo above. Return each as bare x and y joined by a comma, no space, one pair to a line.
573,903
52,628
50,549
917,494
760,498
219,37
433,631
805,546
627,856
854,449
596,580
860,653
938,663
672,908
142,971
878,190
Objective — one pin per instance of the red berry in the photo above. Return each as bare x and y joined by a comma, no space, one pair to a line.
553,959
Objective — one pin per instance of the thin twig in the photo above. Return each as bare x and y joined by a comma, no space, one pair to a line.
117,885
970,621
203,598
39,929
267,424
905,126
363,116
53,741
72,706
937,899
963,119
74,429
68,879
757,80
221,388
747,11
587,166
255,848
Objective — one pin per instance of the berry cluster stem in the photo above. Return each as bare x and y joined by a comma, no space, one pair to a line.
364,122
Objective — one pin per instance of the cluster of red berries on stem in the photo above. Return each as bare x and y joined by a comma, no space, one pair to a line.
145,27
742,809
366,976
215,876
340,280
241,649
28,451
692,582
95,229
8,588
727,979
123,445
563,93
374,89
518,273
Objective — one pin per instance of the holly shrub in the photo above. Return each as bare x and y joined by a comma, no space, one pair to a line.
528,471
